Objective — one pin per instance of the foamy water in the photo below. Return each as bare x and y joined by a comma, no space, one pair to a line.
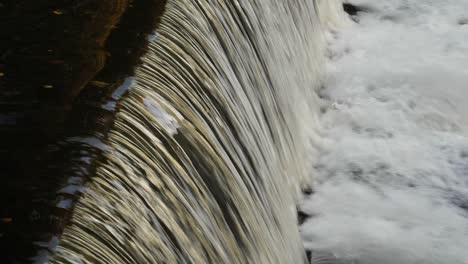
391,178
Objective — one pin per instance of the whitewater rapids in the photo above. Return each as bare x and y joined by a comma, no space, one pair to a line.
391,172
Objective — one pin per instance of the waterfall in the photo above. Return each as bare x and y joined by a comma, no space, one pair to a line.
207,155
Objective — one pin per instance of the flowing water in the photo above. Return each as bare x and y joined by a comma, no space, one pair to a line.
229,116
207,156
391,174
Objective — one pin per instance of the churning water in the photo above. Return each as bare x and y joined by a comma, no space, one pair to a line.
391,174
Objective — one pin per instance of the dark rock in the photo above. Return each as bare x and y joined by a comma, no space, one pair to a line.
351,9
302,216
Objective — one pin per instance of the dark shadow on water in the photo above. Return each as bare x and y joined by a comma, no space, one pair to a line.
60,62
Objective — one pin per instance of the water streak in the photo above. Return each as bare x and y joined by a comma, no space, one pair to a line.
207,155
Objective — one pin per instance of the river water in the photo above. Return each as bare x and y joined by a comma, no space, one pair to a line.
391,170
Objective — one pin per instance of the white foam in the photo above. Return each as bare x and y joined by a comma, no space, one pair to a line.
391,180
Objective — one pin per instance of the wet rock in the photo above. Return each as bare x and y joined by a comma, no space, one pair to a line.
353,10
